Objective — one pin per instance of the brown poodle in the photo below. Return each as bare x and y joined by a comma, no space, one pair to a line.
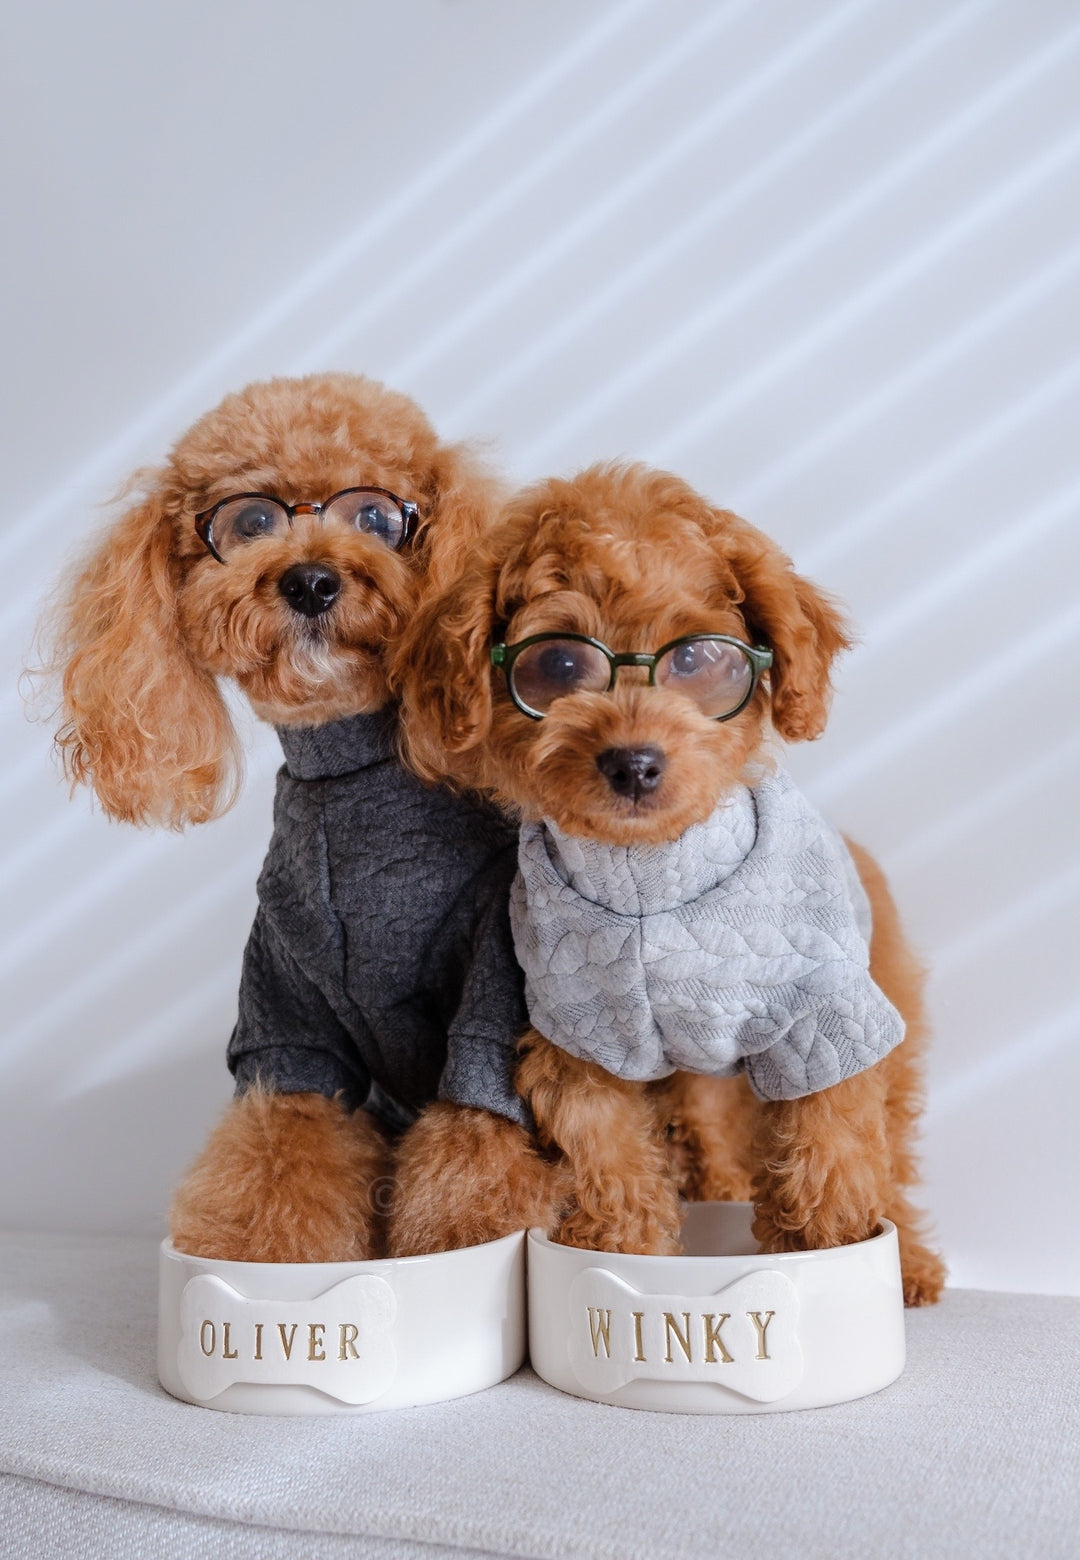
282,545
635,559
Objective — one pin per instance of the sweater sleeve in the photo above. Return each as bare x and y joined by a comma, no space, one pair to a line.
482,1036
840,1036
287,1035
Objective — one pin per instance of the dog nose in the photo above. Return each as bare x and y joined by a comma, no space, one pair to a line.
632,772
310,588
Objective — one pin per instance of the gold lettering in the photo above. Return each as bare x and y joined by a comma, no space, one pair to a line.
287,1346
258,1340
314,1348
600,1328
226,1353
639,1347
761,1328
213,1337
672,1326
713,1340
349,1335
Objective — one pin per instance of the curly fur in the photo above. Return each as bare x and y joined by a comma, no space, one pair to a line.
150,621
635,558
286,1178
464,1176
148,625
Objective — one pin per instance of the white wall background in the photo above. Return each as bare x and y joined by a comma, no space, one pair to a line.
823,259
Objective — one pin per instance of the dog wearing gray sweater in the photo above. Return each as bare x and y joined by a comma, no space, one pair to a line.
283,545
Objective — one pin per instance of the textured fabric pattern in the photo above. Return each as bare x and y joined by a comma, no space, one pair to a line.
381,963
742,946
45,1522
971,1454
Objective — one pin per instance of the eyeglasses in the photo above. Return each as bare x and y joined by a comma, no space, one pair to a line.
719,673
243,518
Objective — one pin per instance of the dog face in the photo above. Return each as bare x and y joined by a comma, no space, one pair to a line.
301,615
635,559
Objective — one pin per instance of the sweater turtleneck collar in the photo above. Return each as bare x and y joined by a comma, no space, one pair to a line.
341,747
636,880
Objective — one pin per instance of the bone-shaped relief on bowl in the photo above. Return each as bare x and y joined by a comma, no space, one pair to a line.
743,1337
341,1342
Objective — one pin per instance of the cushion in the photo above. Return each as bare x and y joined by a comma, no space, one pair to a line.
973,1452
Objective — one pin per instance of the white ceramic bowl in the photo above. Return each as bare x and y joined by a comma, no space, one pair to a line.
721,1329
340,1337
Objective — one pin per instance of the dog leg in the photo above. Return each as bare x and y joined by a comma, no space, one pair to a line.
897,971
710,1135
922,1267
285,1178
822,1162
624,1197
465,1176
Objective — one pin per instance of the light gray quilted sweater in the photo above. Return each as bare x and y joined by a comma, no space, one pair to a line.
740,946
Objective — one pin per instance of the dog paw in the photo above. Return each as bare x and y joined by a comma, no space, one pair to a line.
652,1234
923,1274
778,1229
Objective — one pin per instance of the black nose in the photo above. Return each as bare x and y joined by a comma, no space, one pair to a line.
310,588
632,772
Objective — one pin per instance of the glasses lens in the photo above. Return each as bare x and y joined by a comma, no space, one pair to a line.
555,667
716,675
243,520
373,514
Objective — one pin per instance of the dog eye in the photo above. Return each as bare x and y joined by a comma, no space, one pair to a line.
560,664
715,674
243,520
552,668
373,514
254,520
686,660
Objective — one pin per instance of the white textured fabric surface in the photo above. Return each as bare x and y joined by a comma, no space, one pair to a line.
741,946
972,1453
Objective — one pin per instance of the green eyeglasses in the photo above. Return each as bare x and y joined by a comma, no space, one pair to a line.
719,673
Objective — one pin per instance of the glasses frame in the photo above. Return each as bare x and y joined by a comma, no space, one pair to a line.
204,520
504,656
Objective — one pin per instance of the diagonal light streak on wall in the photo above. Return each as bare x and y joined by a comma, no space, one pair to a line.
57,1012
1012,421
136,854
631,277
894,279
917,854
111,1060
979,940
1010,1061
1004,311
102,466
165,1034
556,153
963,577
22,860
695,328
599,212
958,699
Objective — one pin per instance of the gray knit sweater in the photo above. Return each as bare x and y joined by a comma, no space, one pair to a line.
380,965
740,947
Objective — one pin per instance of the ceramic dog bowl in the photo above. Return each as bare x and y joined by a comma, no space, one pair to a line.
721,1329
340,1337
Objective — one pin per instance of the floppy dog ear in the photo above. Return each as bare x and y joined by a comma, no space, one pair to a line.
143,724
803,626
465,497
442,673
